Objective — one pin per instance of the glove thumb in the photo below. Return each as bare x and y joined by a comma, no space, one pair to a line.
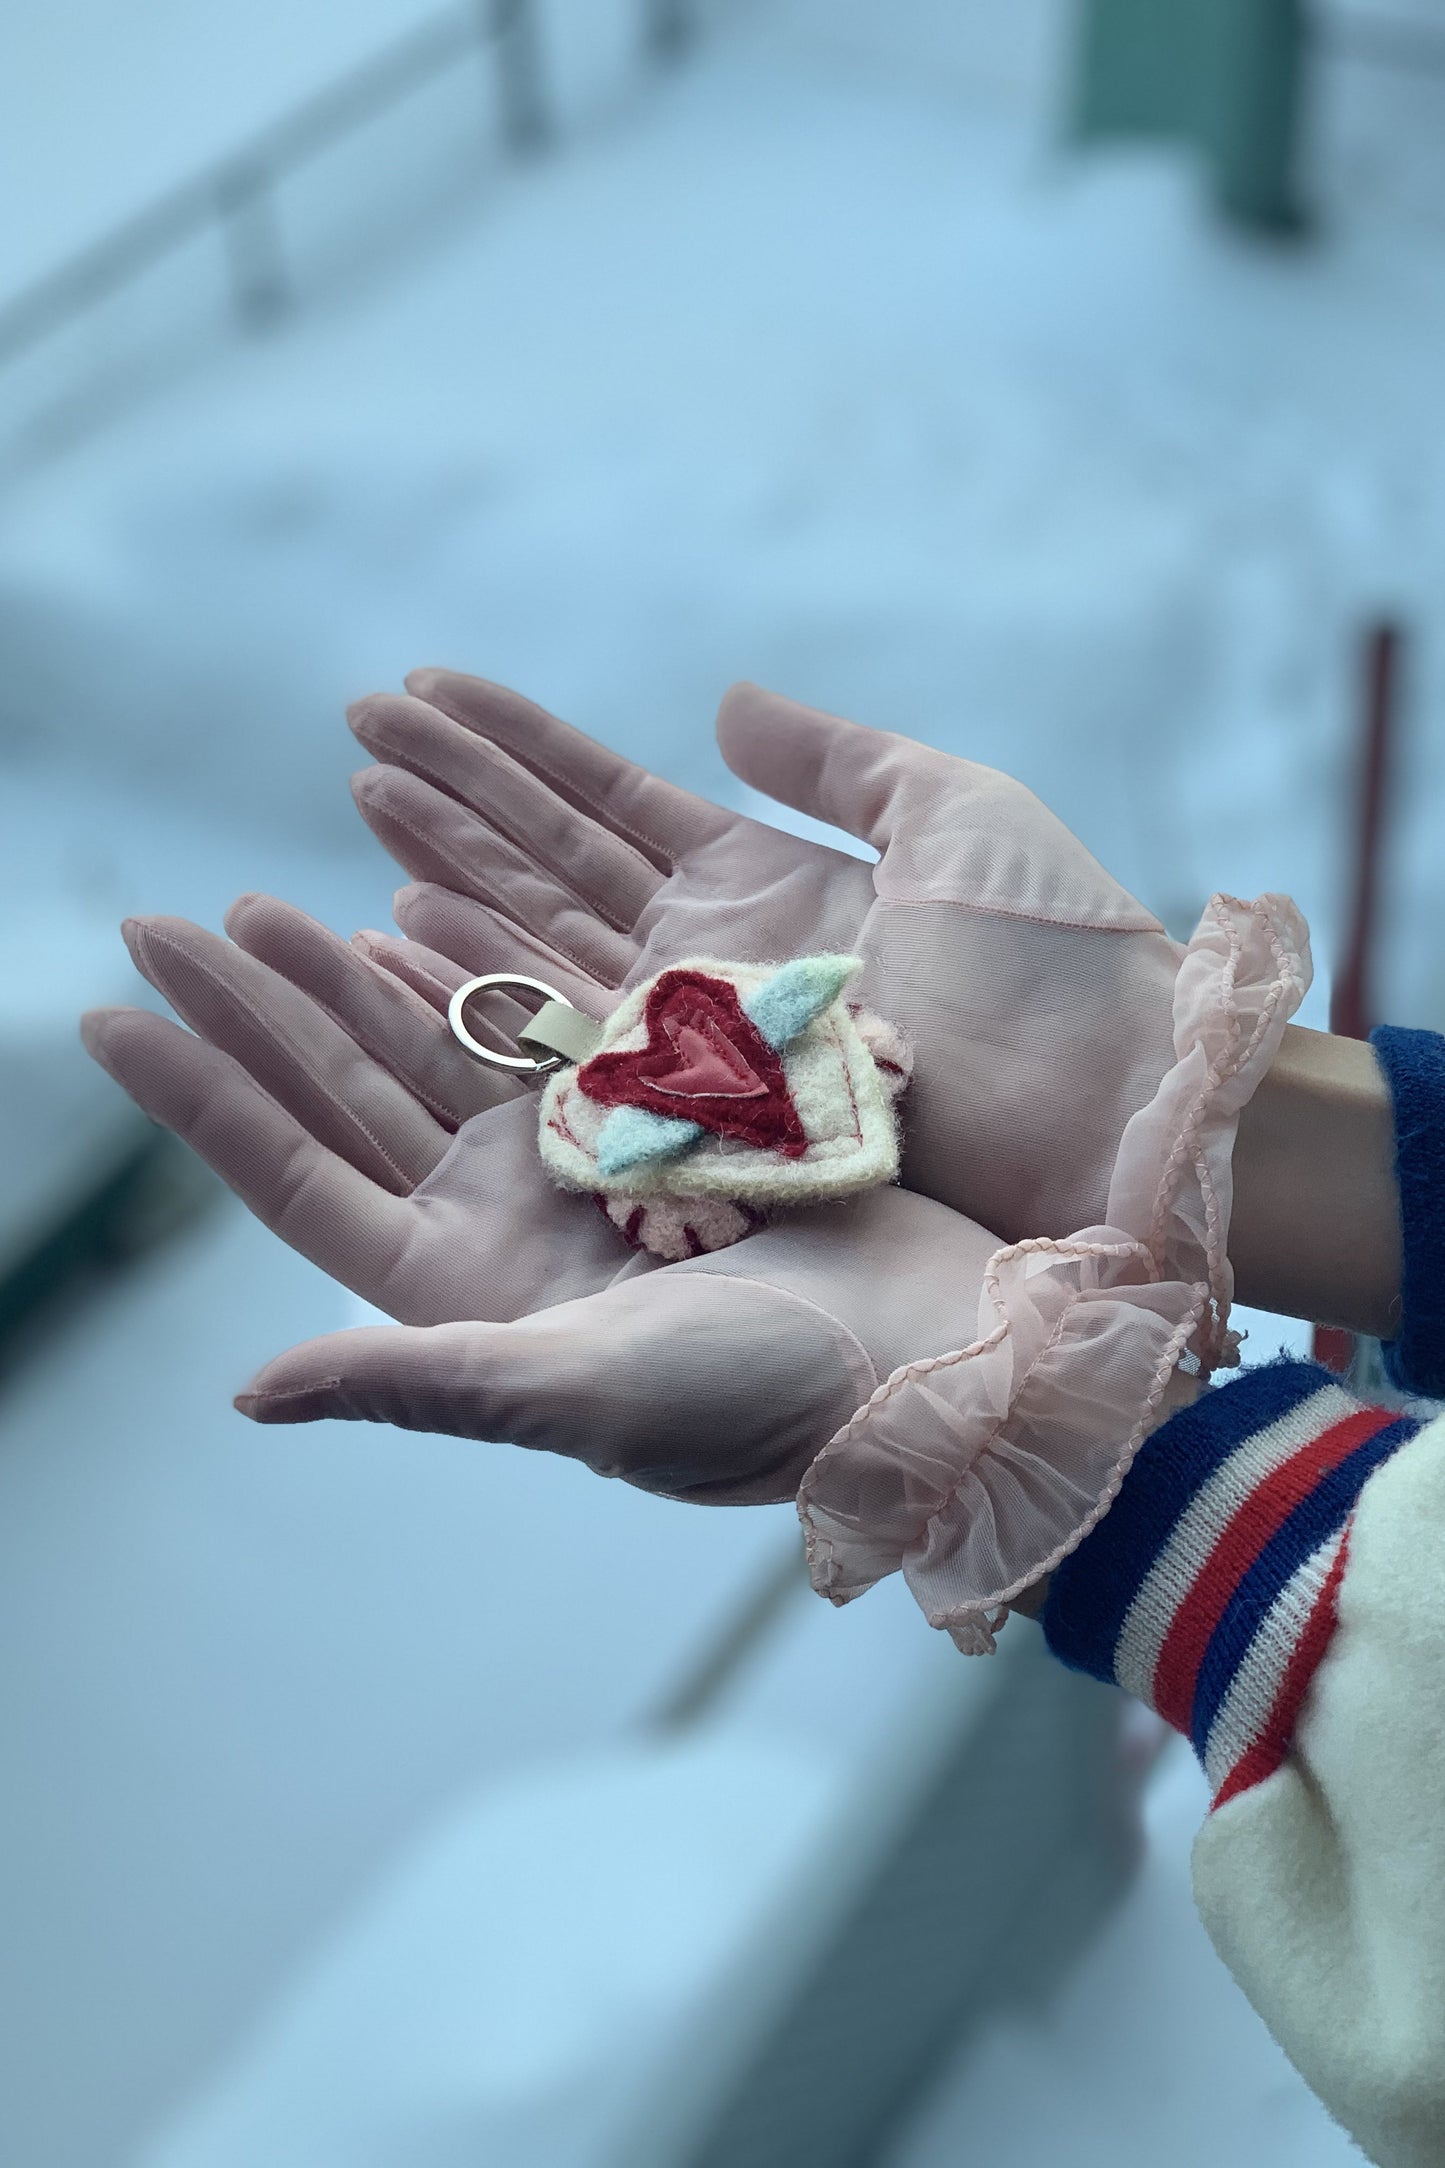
419,1377
695,1385
839,772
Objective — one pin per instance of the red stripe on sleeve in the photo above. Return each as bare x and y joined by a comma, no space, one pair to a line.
1259,1517
1270,1748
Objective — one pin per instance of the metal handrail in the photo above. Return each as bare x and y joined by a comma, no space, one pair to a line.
236,194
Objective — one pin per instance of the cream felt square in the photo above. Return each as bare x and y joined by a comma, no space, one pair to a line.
842,1102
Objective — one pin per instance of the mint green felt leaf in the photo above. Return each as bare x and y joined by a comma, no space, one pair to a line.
631,1136
787,1003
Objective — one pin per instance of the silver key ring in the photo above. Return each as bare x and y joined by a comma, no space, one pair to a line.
525,1064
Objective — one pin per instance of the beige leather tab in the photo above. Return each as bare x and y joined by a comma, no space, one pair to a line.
559,1029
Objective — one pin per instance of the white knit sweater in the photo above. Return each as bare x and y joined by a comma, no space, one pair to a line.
1272,1579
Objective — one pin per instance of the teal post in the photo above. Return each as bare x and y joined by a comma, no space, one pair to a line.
1223,75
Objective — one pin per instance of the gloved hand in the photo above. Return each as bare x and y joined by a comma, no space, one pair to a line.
1071,1063
1036,993
938,1404
322,1082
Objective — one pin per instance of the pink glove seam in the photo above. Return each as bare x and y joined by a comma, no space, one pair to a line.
364,945
419,768
447,1112
495,903
570,789
805,1302
246,1399
1031,918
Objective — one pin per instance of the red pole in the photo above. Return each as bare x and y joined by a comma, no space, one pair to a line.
1352,994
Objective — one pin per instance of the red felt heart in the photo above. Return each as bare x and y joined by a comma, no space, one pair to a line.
704,1062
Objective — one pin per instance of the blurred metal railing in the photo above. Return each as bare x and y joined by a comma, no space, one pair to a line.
237,195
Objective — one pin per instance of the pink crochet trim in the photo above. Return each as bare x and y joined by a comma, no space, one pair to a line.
976,1472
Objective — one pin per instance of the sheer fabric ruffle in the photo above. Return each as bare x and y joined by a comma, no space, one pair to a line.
974,1473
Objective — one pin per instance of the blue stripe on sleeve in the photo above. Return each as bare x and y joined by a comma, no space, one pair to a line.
1414,1066
1090,1593
1317,1516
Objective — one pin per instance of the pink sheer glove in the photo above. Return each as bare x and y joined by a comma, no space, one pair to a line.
1078,1077
329,1092
1036,993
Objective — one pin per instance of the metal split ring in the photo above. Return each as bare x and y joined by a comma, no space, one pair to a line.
517,1064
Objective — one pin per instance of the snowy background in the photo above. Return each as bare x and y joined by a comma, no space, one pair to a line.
819,360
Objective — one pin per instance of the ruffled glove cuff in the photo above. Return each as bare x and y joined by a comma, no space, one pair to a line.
976,1472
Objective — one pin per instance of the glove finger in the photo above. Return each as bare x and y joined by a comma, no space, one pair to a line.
496,1017
492,1015
839,772
378,1010
312,1197
433,979
715,1390
436,839
298,1054
471,938
604,869
663,821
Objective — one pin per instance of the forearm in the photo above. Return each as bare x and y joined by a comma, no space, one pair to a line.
1315,1231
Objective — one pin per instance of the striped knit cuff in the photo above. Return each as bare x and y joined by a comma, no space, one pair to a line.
1209,1588
1414,1066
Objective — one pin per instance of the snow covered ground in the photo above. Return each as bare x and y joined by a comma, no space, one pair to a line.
819,363
236,1672
805,367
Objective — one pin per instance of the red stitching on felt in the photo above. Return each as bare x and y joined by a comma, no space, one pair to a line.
835,1040
558,1122
707,1009
852,1094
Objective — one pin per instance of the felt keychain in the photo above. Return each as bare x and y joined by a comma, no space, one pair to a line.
713,1093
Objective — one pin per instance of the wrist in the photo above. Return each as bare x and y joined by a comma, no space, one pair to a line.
1315,1230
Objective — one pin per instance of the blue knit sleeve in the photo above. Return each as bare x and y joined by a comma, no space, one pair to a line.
1414,1064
